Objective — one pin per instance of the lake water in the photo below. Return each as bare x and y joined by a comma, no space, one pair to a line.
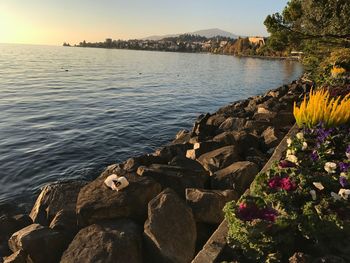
67,113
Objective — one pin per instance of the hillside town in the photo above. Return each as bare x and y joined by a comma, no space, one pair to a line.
190,43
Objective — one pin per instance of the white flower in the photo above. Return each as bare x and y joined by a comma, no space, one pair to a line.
330,167
330,152
289,142
292,158
313,194
335,196
304,147
343,174
344,193
300,135
318,185
290,152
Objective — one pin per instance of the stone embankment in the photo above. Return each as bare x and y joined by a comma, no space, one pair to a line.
175,197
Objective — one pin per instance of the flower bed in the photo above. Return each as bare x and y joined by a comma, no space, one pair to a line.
302,203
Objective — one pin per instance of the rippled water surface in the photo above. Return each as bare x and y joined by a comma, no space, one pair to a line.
68,112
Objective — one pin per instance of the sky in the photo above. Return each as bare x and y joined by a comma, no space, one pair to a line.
53,22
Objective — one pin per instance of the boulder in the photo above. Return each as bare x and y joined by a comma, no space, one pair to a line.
168,152
117,241
8,226
170,230
245,140
233,124
207,205
256,126
237,176
271,137
97,202
200,124
225,138
183,136
284,119
175,177
53,198
219,158
40,243
266,116
18,257
256,156
65,222
232,109
200,148
132,164
187,164
216,120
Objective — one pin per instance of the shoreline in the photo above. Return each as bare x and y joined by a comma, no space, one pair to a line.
189,52
198,172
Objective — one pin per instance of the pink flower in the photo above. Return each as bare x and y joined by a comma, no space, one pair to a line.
284,183
250,212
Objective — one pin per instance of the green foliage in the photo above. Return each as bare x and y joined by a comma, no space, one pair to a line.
316,27
315,224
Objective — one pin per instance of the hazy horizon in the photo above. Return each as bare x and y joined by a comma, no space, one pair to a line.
53,22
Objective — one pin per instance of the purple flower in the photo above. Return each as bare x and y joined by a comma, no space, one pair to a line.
314,156
344,167
286,164
323,134
343,181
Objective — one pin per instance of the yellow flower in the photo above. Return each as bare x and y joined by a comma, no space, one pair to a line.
335,71
320,107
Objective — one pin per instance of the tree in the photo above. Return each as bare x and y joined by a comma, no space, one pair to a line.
323,20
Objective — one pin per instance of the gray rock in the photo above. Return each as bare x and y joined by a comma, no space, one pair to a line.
175,177
237,176
202,129
232,124
170,230
53,198
200,148
183,136
225,138
8,226
117,241
284,119
168,152
42,244
132,164
187,164
245,140
97,202
216,120
256,126
219,158
65,222
18,257
271,137
207,205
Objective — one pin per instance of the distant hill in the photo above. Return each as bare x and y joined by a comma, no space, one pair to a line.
208,33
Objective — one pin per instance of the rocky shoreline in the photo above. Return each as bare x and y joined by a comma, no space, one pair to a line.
175,197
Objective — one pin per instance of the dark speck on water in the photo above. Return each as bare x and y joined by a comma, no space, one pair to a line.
56,126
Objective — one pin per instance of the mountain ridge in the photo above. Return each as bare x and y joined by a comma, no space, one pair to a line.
209,33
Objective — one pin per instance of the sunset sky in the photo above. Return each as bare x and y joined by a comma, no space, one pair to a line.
55,21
